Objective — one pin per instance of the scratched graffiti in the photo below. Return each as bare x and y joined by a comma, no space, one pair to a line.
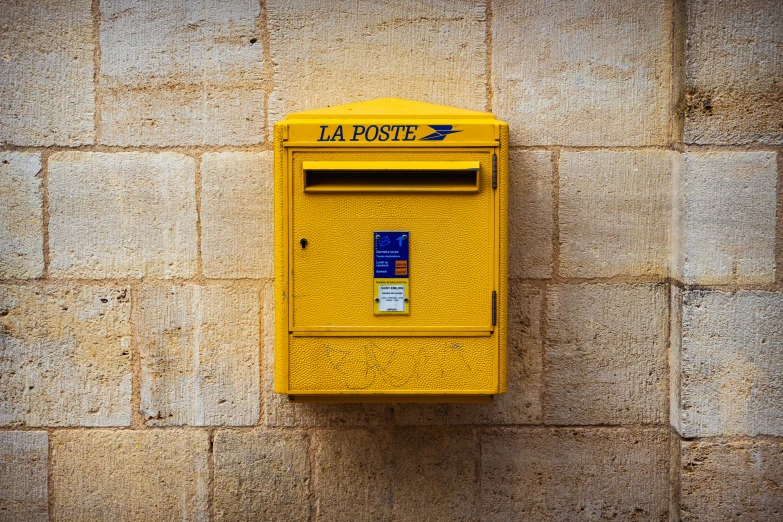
362,368
392,367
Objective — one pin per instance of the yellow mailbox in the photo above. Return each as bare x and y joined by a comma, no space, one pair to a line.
390,253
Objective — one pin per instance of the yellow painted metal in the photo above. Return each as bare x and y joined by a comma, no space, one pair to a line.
389,165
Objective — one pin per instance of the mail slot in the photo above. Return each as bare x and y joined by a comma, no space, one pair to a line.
390,253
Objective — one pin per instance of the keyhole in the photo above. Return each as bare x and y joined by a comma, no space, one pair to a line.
303,242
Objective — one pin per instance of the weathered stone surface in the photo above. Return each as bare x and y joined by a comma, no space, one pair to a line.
530,219
606,354
279,411
732,481
404,474
65,356
582,72
131,476
728,217
122,215
353,475
237,215
522,403
574,474
614,213
46,73
261,475
675,357
328,52
200,355
732,363
734,66
23,483
21,208
195,74
434,475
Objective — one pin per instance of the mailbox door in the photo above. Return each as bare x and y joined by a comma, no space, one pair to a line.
452,232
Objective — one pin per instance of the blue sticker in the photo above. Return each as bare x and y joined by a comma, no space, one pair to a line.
391,254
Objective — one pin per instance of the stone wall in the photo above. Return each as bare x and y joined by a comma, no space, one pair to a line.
646,224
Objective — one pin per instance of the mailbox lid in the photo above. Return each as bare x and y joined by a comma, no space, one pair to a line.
390,122
453,246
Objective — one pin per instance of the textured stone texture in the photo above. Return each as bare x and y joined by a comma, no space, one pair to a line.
329,52
581,72
199,355
614,213
728,217
434,475
522,403
237,214
353,475
732,481
194,74
122,215
405,474
732,363
21,208
574,474
675,357
23,489
606,354
130,476
46,73
65,356
261,475
530,220
734,65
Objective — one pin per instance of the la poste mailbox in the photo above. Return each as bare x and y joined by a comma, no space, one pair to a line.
390,253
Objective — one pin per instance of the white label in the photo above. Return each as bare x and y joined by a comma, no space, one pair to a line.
392,298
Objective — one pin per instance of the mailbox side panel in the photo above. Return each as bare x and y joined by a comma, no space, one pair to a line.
281,192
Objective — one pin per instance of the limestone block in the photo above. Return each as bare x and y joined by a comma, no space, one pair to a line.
353,477
732,368
328,52
128,214
734,66
200,355
46,73
614,213
522,403
130,476
582,72
530,221
737,480
237,215
279,411
574,474
21,208
404,474
181,73
675,357
606,354
728,217
434,475
261,475
23,483
65,355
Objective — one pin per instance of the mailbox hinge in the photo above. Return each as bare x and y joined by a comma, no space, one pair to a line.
494,308
494,171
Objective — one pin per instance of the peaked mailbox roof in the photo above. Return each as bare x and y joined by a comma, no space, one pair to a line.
389,108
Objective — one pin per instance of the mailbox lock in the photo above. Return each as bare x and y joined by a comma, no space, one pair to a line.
303,242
